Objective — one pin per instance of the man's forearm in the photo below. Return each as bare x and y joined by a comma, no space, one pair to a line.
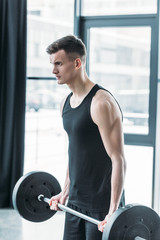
65,191
117,182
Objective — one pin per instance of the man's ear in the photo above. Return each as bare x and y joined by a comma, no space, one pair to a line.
78,63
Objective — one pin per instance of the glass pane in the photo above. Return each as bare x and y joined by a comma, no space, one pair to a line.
120,61
47,21
138,182
45,139
118,7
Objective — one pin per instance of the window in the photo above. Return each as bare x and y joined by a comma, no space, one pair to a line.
138,182
120,61
118,7
47,21
45,139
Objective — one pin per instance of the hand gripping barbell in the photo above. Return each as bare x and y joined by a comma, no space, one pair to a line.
31,197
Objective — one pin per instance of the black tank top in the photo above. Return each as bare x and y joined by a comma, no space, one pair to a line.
90,166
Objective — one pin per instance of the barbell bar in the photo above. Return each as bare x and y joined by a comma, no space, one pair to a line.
139,238
31,197
70,210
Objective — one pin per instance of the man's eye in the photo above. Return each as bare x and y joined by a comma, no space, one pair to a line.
58,63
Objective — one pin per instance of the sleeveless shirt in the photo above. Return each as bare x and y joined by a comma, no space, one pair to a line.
90,166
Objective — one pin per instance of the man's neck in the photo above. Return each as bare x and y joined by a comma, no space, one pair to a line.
81,86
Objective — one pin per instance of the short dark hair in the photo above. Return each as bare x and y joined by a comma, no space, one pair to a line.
73,46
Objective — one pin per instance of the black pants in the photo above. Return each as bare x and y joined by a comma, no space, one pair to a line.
79,229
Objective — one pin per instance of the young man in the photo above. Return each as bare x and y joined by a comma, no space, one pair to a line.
93,121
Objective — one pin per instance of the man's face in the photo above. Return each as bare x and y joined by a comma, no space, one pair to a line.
63,67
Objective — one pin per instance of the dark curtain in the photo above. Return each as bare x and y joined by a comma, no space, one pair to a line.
12,95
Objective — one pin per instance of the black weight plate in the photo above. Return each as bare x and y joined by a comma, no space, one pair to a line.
26,192
131,221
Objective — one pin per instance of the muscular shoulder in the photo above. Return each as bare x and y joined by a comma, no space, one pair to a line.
103,98
104,107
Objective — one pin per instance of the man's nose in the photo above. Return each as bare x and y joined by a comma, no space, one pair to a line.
55,70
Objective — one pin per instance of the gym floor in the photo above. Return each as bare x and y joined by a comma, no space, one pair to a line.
12,226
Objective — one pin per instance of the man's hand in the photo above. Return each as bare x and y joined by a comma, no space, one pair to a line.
59,198
102,224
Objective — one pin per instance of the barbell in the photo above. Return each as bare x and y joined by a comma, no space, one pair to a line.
31,197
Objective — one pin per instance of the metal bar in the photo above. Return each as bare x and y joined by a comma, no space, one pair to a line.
77,16
139,238
41,78
69,210
126,17
78,214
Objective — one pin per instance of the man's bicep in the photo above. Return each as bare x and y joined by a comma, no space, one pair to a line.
113,138
108,119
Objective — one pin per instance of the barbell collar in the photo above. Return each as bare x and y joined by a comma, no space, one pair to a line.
69,210
44,199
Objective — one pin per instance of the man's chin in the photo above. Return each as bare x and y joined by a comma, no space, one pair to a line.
60,82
